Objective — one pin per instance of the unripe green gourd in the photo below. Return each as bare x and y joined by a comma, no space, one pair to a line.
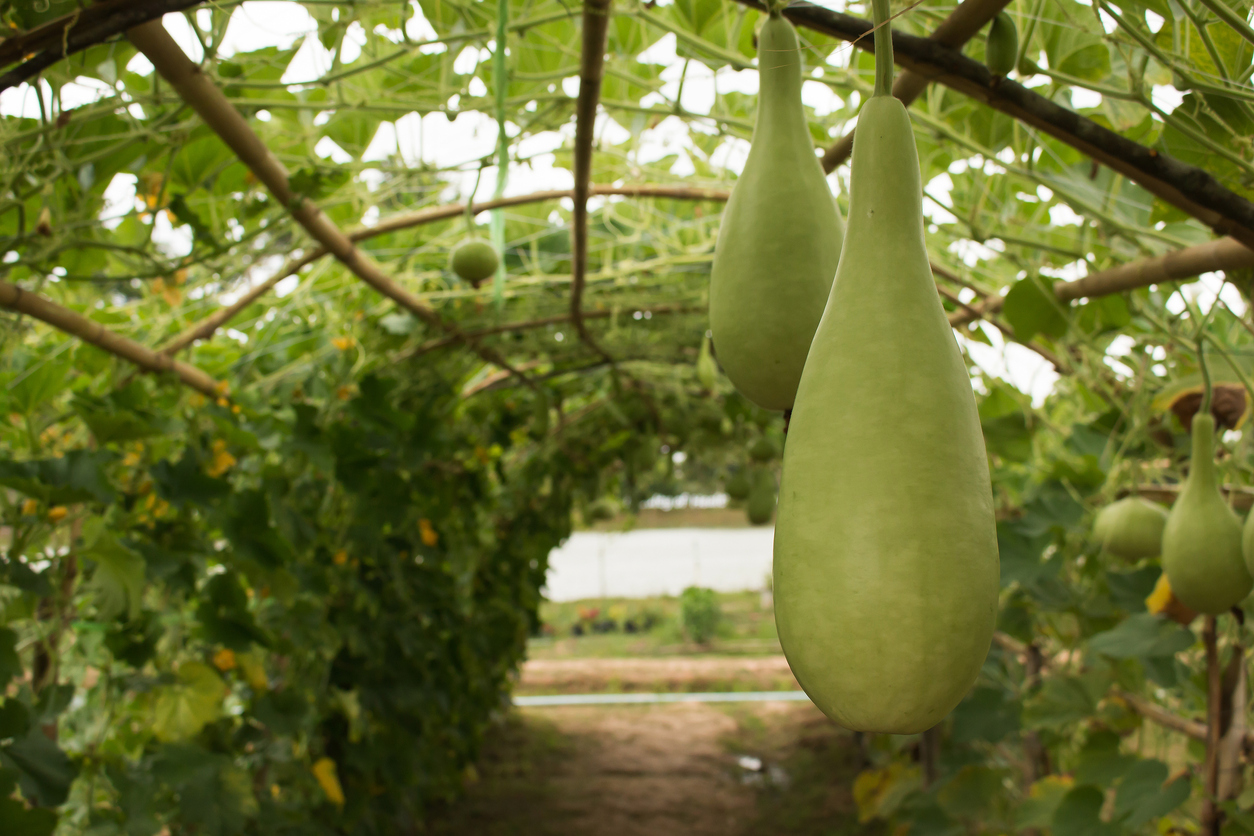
779,240
1131,528
763,450
738,486
761,505
707,372
886,571
1001,50
474,260
1202,541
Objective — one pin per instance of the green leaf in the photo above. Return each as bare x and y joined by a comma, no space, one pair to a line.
986,714
118,581
181,710
1101,763
1079,814
224,616
45,771
42,380
10,662
1145,795
1142,635
1031,308
352,130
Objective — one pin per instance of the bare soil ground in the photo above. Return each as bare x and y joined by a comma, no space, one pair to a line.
664,770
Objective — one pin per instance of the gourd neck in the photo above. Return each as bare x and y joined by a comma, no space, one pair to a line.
1202,464
882,14
779,74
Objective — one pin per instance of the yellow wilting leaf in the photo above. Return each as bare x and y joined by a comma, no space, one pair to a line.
877,792
344,393
427,532
324,771
58,513
341,557
1163,601
224,659
253,667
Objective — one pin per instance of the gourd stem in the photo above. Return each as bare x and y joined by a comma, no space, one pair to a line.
1204,408
881,11
470,203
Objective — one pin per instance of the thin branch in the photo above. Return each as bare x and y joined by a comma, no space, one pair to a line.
45,310
205,328
1187,187
531,324
1157,714
1221,254
967,18
596,23
82,28
211,104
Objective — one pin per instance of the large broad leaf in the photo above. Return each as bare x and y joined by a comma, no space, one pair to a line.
78,476
1101,763
45,773
1079,814
1145,795
986,714
40,381
224,615
1031,308
181,710
1142,635
118,581
15,818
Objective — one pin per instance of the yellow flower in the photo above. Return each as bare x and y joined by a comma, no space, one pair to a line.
344,343
274,791
58,513
222,387
131,459
29,507
344,393
222,460
324,771
224,659
341,557
223,402
196,400
429,537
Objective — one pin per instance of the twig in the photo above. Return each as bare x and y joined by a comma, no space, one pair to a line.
963,23
1221,254
205,328
74,32
1187,187
211,104
596,22
16,299
1211,816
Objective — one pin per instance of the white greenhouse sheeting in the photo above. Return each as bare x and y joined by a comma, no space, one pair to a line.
659,561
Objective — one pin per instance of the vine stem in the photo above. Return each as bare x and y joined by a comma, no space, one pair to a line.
1214,708
500,74
882,11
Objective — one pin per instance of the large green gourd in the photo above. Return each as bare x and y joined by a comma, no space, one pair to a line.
779,240
1131,528
1202,541
886,569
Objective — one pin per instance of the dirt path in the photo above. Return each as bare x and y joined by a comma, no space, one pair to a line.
664,770
675,673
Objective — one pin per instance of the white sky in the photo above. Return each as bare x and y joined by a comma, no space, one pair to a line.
435,140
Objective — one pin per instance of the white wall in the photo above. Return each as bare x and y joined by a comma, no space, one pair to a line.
660,561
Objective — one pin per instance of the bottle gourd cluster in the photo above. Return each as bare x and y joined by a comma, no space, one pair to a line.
886,569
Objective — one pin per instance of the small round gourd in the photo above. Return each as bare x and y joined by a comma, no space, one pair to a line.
1131,528
474,260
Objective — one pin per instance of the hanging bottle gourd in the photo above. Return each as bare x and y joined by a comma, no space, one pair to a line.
761,505
1001,49
779,240
886,572
474,259
1202,555
707,372
1131,528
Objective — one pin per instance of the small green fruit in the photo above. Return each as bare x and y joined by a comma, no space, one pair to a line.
474,260
761,507
763,450
739,486
707,373
1002,48
1131,528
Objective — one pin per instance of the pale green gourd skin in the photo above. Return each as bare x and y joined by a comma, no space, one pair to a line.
779,240
1247,543
886,566
1202,553
1131,528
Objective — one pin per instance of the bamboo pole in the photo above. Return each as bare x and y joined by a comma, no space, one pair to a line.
45,310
